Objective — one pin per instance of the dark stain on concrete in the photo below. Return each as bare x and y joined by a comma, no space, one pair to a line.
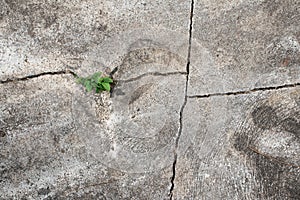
276,178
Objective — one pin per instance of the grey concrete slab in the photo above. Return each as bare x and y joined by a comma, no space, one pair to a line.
139,132
241,147
57,142
38,36
240,45
155,136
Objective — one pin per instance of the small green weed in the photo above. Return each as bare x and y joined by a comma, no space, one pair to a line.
96,82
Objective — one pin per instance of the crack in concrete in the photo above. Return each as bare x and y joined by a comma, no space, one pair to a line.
151,74
270,88
116,82
113,71
184,103
25,78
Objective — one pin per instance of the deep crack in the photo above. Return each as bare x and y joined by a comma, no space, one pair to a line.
25,78
113,71
184,103
270,88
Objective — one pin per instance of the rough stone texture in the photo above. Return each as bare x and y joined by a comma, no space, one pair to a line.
181,121
47,35
244,45
54,145
242,147
57,141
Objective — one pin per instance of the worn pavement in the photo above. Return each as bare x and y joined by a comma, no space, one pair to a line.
206,102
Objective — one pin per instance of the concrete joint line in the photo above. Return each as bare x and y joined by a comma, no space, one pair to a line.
270,88
25,78
184,103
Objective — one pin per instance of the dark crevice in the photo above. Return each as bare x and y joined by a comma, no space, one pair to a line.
270,88
184,103
151,74
25,78
113,71
173,177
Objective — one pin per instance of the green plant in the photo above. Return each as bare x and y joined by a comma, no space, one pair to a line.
96,82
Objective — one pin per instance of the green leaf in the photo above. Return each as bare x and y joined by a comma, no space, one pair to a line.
107,80
95,81
98,90
96,76
86,82
100,80
80,80
100,87
88,86
106,86
94,84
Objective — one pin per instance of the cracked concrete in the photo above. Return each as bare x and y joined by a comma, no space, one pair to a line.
185,101
205,103
14,79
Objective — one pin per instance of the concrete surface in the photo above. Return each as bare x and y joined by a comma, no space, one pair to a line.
242,147
206,103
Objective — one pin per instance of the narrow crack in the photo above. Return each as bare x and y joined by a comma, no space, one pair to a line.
270,88
25,78
184,103
113,71
116,82
151,74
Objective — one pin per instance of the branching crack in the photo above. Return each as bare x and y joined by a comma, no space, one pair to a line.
25,78
258,89
184,103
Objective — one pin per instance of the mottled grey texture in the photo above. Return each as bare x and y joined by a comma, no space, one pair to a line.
205,104
244,45
242,147
48,131
49,35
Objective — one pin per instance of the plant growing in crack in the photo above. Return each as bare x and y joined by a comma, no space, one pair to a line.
95,81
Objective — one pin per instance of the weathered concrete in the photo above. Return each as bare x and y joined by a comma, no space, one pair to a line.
205,106
55,144
244,45
39,35
242,147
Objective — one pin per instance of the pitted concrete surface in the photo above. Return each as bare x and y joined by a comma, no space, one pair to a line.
206,103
